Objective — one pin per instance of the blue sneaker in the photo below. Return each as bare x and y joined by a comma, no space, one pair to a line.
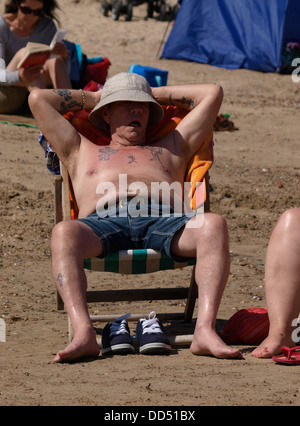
116,337
151,337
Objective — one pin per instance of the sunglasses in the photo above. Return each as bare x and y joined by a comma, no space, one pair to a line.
27,11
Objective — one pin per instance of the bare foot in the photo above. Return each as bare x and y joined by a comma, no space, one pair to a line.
271,346
207,342
79,348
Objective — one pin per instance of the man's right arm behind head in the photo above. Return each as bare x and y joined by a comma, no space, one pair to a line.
48,107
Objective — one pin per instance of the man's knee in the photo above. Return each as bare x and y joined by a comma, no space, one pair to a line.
292,216
76,239
61,235
214,225
289,221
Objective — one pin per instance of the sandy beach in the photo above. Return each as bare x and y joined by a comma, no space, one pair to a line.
255,178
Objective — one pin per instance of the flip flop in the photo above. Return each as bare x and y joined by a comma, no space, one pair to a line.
289,356
222,123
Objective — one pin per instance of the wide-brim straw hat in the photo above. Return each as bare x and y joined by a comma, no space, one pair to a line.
126,87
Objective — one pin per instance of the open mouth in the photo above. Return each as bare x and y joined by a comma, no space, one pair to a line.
135,123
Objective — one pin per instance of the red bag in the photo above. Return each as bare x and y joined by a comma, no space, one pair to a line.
247,326
92,86
96,71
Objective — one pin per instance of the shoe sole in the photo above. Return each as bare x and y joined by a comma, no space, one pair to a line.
155,348
121,349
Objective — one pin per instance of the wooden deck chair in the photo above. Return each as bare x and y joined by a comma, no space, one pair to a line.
136,261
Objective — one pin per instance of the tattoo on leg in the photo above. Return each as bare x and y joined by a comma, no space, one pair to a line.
60,278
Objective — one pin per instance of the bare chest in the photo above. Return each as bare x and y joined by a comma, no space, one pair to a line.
129,170
141,161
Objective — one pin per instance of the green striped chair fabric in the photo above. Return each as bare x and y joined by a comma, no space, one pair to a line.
142,261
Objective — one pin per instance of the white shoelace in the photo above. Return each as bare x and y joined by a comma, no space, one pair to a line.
119,325
151,325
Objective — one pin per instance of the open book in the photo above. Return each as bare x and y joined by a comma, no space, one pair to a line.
38,53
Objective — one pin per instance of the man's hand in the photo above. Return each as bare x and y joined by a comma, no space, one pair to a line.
98,96
202,101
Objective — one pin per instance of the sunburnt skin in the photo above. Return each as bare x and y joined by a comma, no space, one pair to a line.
137,159
140,163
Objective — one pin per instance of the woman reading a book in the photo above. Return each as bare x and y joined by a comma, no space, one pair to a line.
29,21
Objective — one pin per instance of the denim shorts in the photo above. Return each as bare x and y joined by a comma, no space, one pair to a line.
153,229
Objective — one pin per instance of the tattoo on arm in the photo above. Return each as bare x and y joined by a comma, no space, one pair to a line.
65,93
183,101
171,100
68,103
60,278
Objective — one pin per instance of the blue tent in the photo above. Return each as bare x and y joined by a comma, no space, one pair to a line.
234,33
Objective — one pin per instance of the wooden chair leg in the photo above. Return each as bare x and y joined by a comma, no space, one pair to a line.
59,302
58,217
58,213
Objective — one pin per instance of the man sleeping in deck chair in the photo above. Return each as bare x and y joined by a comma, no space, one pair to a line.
106,179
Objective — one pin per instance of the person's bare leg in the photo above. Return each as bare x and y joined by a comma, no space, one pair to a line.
209,244
282,284
33,84
12,66
71,243
55,73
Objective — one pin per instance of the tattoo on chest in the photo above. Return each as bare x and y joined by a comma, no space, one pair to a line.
132,159
156,153
106,152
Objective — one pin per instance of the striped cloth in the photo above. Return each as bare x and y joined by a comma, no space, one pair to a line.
52,160
140,261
